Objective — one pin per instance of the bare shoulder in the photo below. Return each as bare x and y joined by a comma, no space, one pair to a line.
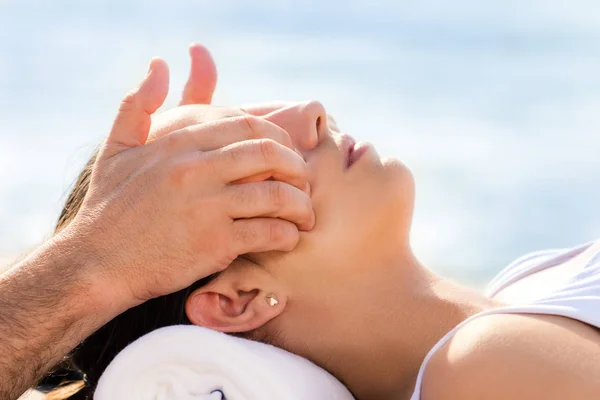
501,357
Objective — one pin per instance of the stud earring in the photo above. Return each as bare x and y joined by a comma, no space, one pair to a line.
271,299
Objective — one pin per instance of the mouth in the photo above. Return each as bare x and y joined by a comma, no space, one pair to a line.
357,151
348,144
352,150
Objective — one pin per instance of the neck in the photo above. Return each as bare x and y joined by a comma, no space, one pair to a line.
381,356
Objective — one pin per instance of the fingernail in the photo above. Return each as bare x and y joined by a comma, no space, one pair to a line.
307,189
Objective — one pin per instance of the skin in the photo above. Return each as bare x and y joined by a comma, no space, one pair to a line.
353,298
355,265
160,214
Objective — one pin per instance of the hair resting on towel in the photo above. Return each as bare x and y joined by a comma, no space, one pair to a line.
76,377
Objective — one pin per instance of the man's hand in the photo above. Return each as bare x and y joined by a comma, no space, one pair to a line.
162,215
158,216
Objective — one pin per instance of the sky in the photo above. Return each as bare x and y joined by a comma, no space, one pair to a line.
495,106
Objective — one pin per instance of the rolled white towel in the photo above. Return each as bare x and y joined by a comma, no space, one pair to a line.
193,363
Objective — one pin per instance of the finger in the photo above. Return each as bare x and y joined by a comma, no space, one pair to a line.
263,157
261,109
256,235
266,176
271,199
213,135
132,124
202,81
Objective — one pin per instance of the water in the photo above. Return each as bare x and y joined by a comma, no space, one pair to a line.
494,106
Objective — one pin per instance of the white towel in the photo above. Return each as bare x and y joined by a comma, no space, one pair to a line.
194,363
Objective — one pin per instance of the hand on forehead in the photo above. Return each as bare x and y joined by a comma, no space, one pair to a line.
301,120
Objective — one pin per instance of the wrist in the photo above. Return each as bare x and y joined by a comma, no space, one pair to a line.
84,267
49,304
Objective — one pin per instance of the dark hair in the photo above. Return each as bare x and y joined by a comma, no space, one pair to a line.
89,360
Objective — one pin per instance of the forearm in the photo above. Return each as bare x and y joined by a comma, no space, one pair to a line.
47,307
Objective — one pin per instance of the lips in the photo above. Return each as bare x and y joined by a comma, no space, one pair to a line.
347,145
357,151
353,150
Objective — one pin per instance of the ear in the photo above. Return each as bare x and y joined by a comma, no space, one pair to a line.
242,298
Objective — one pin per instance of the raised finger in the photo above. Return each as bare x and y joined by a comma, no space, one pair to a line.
202,80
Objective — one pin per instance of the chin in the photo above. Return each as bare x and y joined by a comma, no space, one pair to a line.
399,193
398,175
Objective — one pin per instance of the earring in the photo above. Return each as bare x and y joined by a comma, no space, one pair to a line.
271,299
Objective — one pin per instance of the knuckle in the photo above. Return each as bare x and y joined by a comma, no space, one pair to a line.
171,141
283,234
252,126
178,173
258,128
277,231
129,102
269,149
204,162
278,195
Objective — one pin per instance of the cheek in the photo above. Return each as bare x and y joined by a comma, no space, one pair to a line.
370,212
356,221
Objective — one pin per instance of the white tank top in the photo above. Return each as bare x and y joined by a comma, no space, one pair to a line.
576,296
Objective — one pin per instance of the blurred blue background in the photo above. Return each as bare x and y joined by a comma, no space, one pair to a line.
495,106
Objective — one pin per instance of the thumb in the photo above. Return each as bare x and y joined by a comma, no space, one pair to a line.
202,81
132,124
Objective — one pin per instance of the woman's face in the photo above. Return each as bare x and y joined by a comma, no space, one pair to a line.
363,207
334,278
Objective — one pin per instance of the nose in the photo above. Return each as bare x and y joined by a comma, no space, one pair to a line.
306,123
